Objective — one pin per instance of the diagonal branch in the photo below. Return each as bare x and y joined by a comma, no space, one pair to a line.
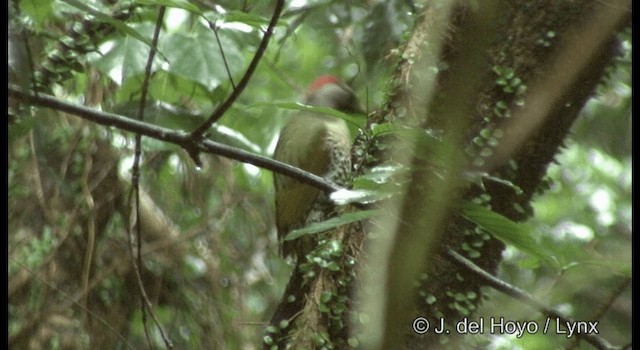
176,137
214,27
517,293
242,84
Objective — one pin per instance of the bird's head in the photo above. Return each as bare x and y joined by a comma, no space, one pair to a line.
329,91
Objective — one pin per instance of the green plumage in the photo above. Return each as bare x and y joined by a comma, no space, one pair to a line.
317,144
320,145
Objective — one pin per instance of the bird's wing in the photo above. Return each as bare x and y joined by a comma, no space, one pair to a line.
293,198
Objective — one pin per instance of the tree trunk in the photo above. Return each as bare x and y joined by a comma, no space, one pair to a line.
519,101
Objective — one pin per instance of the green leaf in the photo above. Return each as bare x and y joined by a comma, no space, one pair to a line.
355,120
181,4
267,339
331,223
21,127
363,196
478,177
249,19
283,324
515,234
232,137
121,26
333,266
353,342
38,10
623,269
401,130
162,114
382,173
323,308
126,58
197,57
418,138
325,296
170,88
529,263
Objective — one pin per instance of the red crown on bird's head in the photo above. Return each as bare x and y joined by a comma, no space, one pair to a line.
322,81
329,91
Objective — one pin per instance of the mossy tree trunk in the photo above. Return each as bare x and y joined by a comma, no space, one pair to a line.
549,54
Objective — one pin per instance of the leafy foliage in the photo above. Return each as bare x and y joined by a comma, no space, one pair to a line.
210,266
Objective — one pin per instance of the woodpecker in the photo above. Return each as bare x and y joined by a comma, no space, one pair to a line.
321,145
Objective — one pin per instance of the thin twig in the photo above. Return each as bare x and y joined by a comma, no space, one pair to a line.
37,180
242,84
224,57
179,138
525,297
135,177
27,48
91,228
606,305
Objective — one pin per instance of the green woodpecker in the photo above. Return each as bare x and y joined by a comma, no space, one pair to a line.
321,145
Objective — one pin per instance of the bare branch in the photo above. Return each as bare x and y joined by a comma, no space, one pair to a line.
214,27
242,84
177,137
525,297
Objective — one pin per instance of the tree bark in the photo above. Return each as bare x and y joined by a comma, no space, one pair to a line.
535,40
